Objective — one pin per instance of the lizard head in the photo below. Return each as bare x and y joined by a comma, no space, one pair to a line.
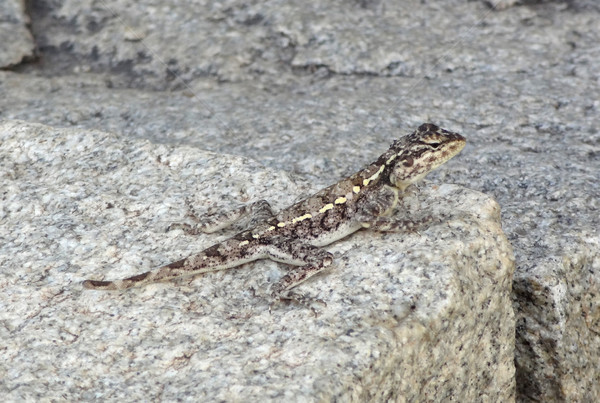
414,156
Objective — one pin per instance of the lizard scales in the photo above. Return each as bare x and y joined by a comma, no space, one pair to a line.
295,234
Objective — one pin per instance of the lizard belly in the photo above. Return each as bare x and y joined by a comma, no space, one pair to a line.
342,231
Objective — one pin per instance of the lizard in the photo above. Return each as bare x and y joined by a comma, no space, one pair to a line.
295,235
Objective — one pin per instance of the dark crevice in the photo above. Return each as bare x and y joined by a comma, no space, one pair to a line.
27,59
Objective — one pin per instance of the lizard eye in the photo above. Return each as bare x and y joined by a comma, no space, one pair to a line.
408,162
435,145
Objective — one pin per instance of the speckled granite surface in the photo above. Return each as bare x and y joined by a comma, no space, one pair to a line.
315,90
407,315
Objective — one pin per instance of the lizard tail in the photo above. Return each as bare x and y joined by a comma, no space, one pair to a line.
163,273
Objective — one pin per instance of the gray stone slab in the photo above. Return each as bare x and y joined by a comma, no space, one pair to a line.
17,42
330,85
408,316
163,44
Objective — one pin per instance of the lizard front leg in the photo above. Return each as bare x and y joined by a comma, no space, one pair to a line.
374,212
258,212
392,224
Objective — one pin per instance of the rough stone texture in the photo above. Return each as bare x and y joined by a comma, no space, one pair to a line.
16,40
558,320
522,84
504,4
162,44
407,315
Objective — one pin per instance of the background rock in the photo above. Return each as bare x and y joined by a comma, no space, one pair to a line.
17,42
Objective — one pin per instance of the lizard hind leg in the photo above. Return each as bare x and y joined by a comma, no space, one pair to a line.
258,212
309,260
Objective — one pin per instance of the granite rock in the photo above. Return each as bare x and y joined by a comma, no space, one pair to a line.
407,316
17,42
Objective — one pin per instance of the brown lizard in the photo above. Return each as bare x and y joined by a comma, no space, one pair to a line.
295,235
